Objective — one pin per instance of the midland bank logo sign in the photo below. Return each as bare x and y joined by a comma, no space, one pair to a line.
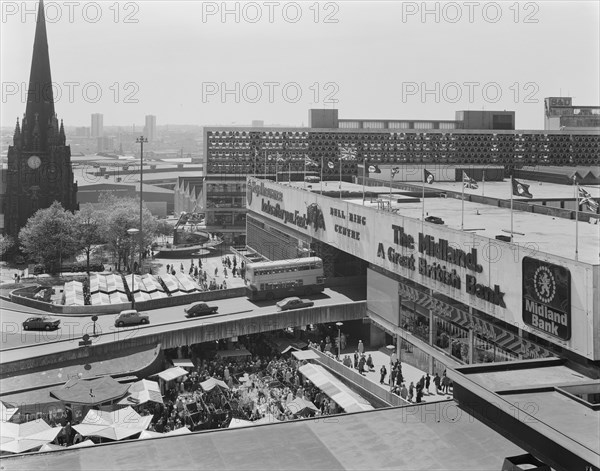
547,297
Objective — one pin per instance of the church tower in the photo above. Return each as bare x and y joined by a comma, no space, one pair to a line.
39,162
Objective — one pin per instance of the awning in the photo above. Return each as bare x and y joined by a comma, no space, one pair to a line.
17,438
210,383
235,423
6,412
151,434
301,407
114,425
141,392
335,389
82,444
183,363
171,373
305,355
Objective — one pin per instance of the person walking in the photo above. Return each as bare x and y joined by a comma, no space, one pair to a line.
356,359
411,391
445,384
361,347
427,382
383,374
404,392
436,381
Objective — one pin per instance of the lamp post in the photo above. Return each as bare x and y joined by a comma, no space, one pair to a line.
339,326
132,233
141,140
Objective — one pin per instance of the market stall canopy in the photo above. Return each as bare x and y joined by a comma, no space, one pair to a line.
236,423
90,391
267,419
183,362
52,447
17,438
285,345
114,425
141,392
210,383
334,388
171,373
305,355
151,434
301,407
7,411
82,444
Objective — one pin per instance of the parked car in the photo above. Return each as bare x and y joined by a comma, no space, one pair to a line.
131,317
200,309
41,323
294,303
434,220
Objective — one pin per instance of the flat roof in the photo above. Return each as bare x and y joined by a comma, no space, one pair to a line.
552,235
427,436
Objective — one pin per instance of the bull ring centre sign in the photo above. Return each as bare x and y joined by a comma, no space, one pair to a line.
442,250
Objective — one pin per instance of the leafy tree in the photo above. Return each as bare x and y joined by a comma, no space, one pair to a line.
121,214
48,236
88,230
6,243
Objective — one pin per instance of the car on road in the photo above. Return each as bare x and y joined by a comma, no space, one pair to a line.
200,309
41,323
294,303
434,220
131,317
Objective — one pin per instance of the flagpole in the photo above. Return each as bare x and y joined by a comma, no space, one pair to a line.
423,199
265,177
290,170
483,184
304,184
321,174
340,176
391,178
462,200
255,155
511,208
364,177
577,223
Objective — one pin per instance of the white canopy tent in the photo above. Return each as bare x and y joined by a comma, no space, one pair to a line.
114,425
17,438
305,355
210,383
183,363
6,412
141,392
151,434
172,373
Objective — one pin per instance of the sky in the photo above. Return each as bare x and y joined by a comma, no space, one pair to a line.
207,63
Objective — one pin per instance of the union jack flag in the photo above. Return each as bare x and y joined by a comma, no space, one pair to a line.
310,162
395,170
347,153
586,199
468,182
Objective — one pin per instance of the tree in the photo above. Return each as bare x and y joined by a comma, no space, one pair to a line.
121,214
6,243
48,236
88,230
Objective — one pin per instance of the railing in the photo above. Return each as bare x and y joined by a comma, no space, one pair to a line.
360,380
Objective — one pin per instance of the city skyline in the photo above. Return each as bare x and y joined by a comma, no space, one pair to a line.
352,60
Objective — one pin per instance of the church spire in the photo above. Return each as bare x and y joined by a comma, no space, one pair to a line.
40,99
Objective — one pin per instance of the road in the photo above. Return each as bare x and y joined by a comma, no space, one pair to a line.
73,328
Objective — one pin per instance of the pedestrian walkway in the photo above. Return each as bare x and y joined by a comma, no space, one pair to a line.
209,264
410,374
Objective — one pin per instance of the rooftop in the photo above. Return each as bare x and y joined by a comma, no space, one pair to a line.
441,437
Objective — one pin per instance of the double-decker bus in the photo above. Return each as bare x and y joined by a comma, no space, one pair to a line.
271,280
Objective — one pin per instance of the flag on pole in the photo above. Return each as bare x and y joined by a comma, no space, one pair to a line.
395,170
331,165
428,176
520,189
374,169
469,182
347,153
310,162
586,199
